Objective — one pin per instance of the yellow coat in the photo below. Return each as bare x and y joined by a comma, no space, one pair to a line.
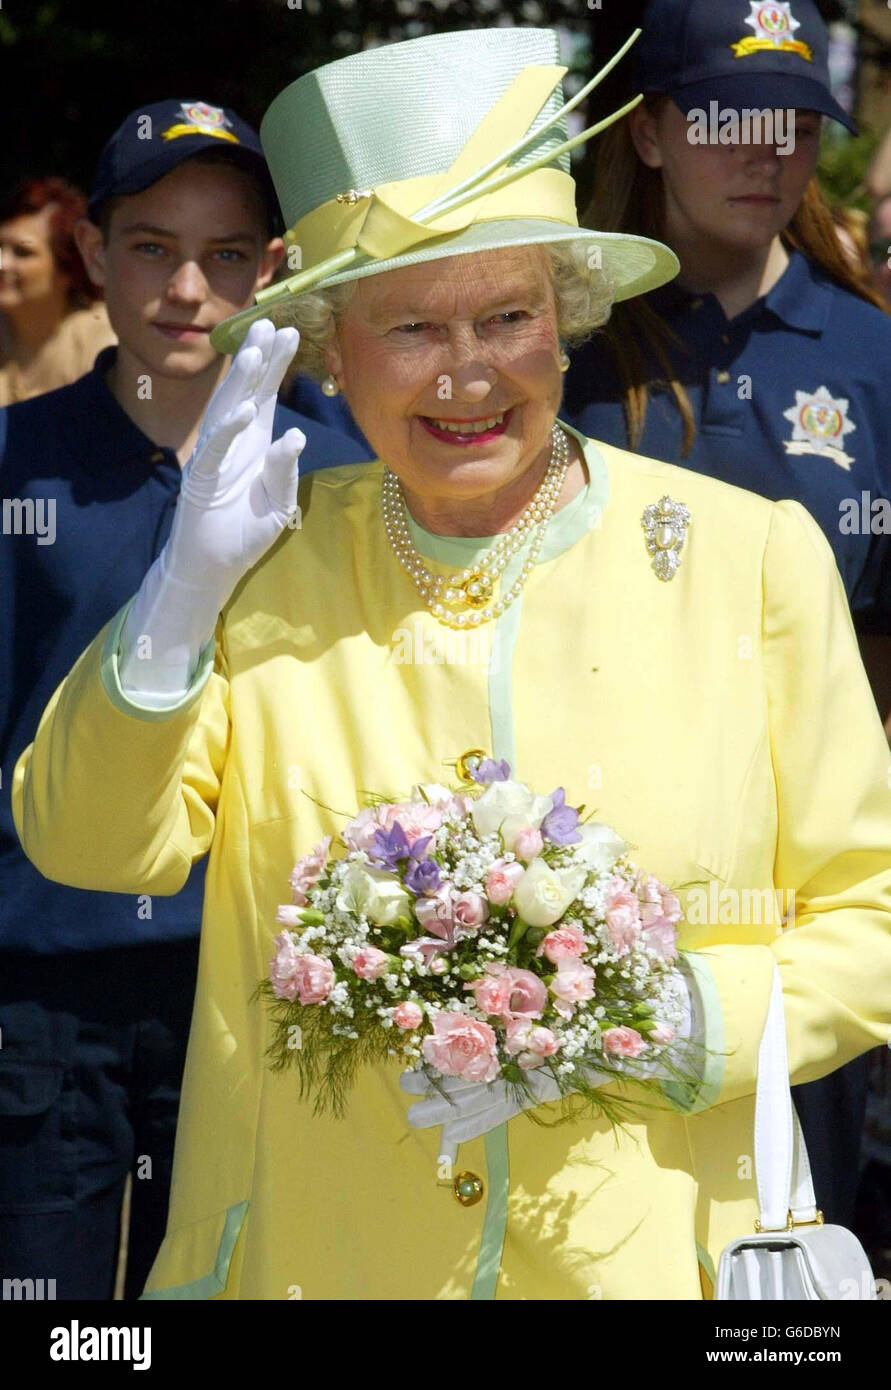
720,721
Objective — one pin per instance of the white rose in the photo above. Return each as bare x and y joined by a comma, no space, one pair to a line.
543,894
375,892
599,846
511,803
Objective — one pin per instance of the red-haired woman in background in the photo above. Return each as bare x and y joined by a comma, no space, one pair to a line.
51,324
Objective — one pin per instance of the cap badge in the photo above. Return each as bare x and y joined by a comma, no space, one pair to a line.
819,425
665,525
774,26
198,118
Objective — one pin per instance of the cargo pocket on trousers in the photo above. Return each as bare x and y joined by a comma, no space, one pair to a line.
37,1141
193,1261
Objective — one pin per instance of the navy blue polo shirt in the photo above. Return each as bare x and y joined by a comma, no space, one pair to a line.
114,493
791,398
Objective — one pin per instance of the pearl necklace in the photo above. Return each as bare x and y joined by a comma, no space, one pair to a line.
476,586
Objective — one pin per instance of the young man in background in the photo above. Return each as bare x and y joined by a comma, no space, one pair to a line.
96,988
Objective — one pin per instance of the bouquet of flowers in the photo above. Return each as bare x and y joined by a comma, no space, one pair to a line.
479,934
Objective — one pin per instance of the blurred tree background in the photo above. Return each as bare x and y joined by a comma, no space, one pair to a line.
70,70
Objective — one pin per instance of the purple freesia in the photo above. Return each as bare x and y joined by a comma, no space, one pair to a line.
559,825
389,846
422,878
490,771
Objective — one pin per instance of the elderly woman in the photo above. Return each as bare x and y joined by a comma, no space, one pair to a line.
701,689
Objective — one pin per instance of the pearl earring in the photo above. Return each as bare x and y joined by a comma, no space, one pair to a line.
331,388
564,362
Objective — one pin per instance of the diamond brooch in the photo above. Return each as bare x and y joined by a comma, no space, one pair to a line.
665,526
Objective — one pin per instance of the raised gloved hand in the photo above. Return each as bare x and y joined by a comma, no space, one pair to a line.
238,492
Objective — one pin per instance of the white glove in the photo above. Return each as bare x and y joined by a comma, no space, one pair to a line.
238,492
470,1108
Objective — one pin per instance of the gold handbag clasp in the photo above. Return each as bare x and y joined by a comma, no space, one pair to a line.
790,1225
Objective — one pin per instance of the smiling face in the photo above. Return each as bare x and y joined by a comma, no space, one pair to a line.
178,258
28,271
738,197
452,369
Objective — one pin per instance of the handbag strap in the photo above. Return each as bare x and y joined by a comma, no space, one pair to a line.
782,1169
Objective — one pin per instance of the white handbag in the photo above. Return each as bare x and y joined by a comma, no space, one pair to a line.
792,1253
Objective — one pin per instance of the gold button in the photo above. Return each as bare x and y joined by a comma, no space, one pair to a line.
468,1189
725,338
472,758
722,377
696,304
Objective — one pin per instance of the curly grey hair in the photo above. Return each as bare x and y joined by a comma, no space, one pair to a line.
583,295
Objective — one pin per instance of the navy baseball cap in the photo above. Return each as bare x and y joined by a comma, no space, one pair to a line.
155,139
741,53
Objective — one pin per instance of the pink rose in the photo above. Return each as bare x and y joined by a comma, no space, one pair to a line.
662,1033
282,967
288,915
315,979
292,974
415,817
470,910
528,993
423,948
369,963
572,985
623,1042
660,911
662,938
502,879
528,844
360,833
439,965
564,943
435,913
622,914
461,1046
657,902
308,870
408,1014
492,991
529,1042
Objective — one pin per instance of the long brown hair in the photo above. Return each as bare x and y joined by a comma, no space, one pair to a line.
630,197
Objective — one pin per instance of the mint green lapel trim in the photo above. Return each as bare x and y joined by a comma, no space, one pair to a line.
501,718
584,513
488,1265
215,1281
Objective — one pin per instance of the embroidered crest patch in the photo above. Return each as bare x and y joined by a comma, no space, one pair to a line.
774,27
198,118
819,425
